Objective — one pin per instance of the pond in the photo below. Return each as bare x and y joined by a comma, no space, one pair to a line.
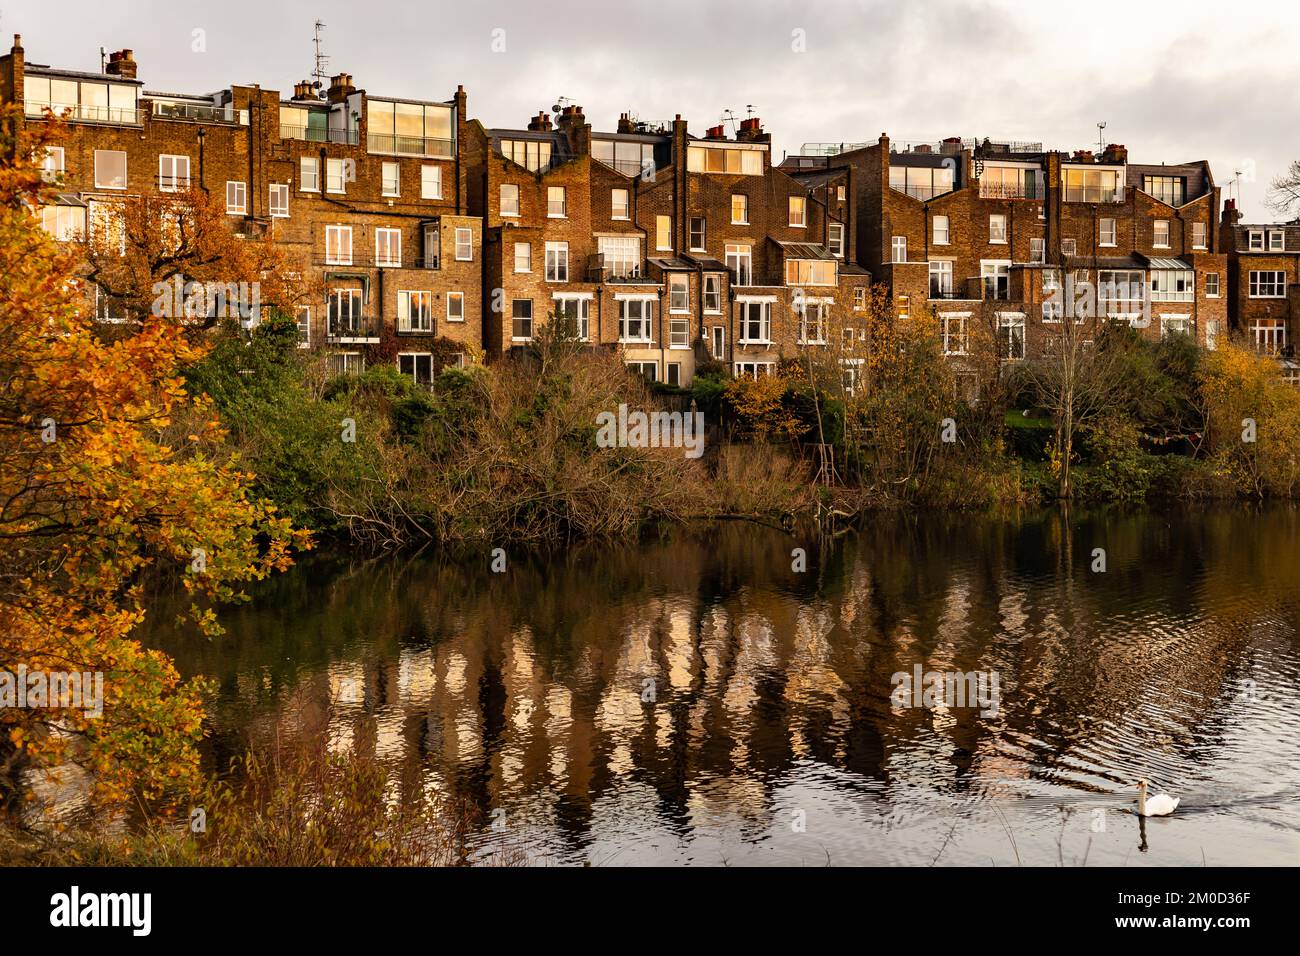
716,697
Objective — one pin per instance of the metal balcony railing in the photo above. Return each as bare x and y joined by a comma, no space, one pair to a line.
200,114
368,260
1092,194
923,193
125,116
628,167
352,328
1011,191
409,145
316,134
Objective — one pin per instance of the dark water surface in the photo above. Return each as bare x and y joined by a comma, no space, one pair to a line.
771,736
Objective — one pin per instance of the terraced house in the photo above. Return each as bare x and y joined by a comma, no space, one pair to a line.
369,192
1263,284
982,234
671,248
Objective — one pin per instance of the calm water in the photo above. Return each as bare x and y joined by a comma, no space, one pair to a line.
771,736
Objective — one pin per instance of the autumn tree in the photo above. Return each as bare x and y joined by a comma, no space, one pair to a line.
92,498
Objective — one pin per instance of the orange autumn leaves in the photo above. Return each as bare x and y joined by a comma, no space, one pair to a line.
92,497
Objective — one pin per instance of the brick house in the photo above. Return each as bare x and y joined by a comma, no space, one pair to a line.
980,234
369,193
1264,284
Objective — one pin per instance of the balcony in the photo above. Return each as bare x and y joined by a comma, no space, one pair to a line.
923,193
196,113
968,290
1092,194
1012,191
117,115
353,329
317,134
371,261
628,167
392,145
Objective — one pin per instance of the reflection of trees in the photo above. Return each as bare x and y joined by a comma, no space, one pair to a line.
526,688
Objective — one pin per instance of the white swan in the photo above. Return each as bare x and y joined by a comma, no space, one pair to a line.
1160,805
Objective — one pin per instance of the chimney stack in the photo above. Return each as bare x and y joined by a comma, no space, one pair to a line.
304,91
122,63
625,123
1115,153
1082,156
340,88
570,116
541,123
751,131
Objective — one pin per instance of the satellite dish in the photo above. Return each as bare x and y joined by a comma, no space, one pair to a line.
555,108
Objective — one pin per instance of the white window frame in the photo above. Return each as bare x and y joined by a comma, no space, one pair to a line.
335,172
1211,281
663,233
309,172
1037,249
614,205
390,179
465,238
958,342
430,176
422,301
509,210
753,369
645,321
798,207
1255,239
174,181
279,209
748,323
1200,235
386,258
1107,226
997,229
897,247
551,199
742,273
101,184
415,364
1008,322
1157,227
581,302
455,306
679,293
704,233
528,257
1256,282
1280,237
1182,318
239,207
302,315
713,279
338,258
835,239
53,163
744,209
941,231
557,262
1069,247
515,317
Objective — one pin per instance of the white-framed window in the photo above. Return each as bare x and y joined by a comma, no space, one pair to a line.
813,318
576,311
1107,235
679,292
1175,325
432,245
1168,189
801,272
509,200
1211,285
1037,249
338,245
236,198
173,173
679,333
697,225
898,249
664,233
1211,334
557,206
739,259
521,320
523,257
388,247
455,306
941,230
835,239
279,200
430,182
303,316
557,262
903,308
110,169
712,293
635,320
739,209
754,369
1161,237
107,226
839,194
647,370
347,363
1199,234
673,373
334,176
619,204
309,174
464,245
798,211
1173,285
620,256
996,276
955,338
1069,247
940,279
755,322
719,341
860,299
390,179
414,311
1276,240
998,229
418,366
1267,284
64,223
344,312
1256,239
1011,327
52,164
1270,335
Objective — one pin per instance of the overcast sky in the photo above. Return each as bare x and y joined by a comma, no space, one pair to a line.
1174,81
